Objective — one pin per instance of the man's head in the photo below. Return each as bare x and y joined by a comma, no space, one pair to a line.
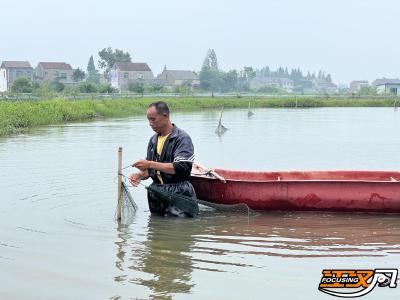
158,116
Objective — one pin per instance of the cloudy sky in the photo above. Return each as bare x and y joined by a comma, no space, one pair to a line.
351,39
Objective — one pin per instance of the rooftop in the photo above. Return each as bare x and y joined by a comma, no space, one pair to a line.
182,74
55,65
15,64
129,66
384,81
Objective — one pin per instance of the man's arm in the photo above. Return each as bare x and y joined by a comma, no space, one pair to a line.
163,167
145,165
183,154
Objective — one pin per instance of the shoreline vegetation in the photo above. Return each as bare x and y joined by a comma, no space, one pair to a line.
19,116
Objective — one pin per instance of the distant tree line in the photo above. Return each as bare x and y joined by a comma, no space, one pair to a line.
211,77
295,74
214,79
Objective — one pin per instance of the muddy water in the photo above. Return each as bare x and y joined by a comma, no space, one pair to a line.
59,240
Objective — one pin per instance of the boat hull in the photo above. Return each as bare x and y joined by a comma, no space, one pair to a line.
342,191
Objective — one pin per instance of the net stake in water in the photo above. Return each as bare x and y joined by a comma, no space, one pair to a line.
119,205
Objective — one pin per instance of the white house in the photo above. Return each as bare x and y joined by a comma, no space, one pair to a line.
3,80
286,84
385,85
124,74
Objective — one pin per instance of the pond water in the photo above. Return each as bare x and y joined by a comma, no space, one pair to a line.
59,239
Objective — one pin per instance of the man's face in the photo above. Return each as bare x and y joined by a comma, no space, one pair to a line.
157,122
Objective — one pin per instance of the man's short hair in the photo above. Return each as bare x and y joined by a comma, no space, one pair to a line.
161,107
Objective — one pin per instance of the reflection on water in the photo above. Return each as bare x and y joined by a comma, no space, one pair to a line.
58,199
175,248
164,257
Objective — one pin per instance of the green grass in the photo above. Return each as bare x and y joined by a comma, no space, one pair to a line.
17,116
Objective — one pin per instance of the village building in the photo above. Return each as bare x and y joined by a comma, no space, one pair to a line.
285,84
356,85
11,70
178,78
54,71
385,85
303,86
123,74
324,86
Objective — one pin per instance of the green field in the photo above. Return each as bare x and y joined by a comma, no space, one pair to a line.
18,116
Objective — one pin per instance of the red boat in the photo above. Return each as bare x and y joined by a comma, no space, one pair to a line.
343,191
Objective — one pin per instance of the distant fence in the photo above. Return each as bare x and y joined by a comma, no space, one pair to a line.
97,96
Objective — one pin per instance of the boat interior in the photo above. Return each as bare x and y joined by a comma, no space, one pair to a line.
370,176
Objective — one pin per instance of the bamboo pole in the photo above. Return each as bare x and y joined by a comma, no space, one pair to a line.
119,205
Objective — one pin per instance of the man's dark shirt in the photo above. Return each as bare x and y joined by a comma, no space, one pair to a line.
178,149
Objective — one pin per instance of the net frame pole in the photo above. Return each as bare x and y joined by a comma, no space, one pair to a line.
119,204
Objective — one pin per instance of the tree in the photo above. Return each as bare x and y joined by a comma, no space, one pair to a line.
57,86
209,73
328,78
249,73
137,87
21,85
93,74
108,57
213,60
321,75
156,87
230,81
210,61
296,74
206,77
106,89
87,87
72,91
43,90
368,90
286,73
265,72
281,72
78,75
91,68
245,77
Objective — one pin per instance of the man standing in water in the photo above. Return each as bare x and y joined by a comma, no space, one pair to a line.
170,154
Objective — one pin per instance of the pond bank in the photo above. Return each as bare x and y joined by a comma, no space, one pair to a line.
18,116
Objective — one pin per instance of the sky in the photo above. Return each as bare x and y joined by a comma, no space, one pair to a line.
350,39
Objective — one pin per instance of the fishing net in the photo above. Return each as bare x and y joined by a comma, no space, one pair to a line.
221,129
128,205
249,113
174,199
182,202
240,208
187,204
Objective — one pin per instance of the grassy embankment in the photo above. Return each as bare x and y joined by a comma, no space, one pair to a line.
17,116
